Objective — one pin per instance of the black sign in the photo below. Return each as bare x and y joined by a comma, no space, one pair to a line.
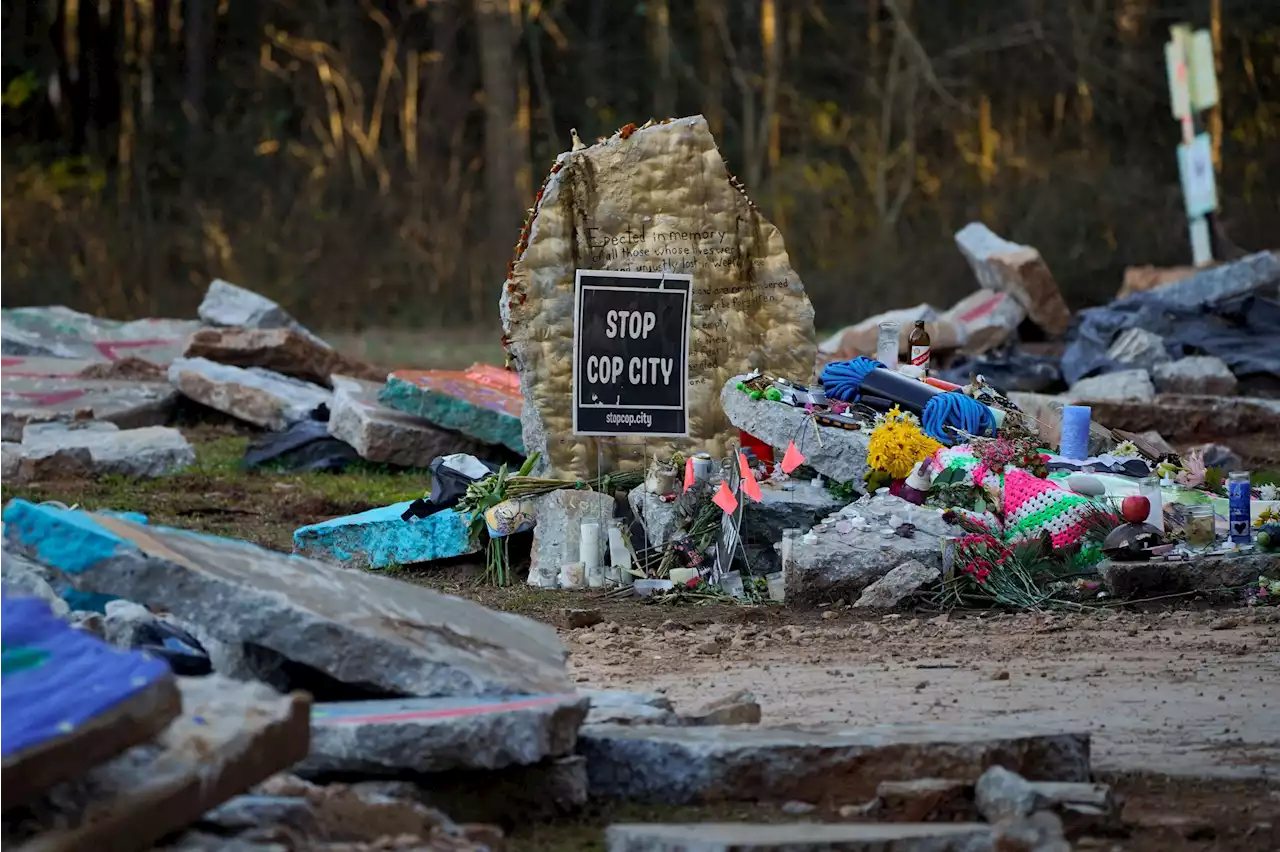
631,353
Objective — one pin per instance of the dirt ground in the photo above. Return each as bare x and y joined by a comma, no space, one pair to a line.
1183,704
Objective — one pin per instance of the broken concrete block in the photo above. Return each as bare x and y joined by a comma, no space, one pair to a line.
483,402
1001,794
22,576
813,764
1039,832
70,700
658,517
896,587
51,450
927,799
515,796
862,543
225,304
123,621
558,531
749,307
373,633
1120,386
1198,374
841,455
385,435
739,708
1138,348
801,837
253,395
1256,274
1017,270
60,332
418,735
381,538
1205,574
228,737
280,350
619,707
1189,419
781,509
28,398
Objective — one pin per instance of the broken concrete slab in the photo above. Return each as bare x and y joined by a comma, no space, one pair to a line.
482,402
738,708
1209,574
50,450
70,701
27,398
863,542
1120,386
509,797
748,308
812,764
60,332
898,586
658,517
1202,375
226,304
23,576
228,737
1187,419
1138,348
374,633
387,436
801,837
798,507
381,538
1001,794
1018,270
556,536
280,350
927,799
619,707
840,454
393,736
253,395
1255,274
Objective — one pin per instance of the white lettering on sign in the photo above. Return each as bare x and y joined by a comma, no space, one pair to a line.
633,324
605,370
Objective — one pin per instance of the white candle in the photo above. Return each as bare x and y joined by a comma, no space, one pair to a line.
589,545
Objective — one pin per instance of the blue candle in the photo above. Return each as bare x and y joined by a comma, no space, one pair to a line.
1075,432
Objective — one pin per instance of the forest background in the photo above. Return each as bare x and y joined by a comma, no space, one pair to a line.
368,163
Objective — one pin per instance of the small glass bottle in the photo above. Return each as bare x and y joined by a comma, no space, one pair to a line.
920,345
1240,515
887,344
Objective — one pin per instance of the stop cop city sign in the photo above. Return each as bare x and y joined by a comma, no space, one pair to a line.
631,353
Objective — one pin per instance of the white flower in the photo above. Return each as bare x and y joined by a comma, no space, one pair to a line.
1268,492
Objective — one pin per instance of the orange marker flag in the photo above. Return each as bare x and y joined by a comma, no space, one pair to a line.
724,499
688,473
749,485
792,458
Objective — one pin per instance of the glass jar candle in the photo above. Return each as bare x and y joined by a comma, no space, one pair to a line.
1200,527
887,344
1149,487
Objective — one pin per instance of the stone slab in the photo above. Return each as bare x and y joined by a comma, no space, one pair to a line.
511,797
811,764
60,332
558,531
1122,386
253,395
898,586
281,350
659,199
27,398
859,545
1257,273
1204,574
801,837
381,538
482,402
1202,375
1018,270
762,523
421,735
384,435
840,454
1186,419
49,666
659,517
101,449
228,737
375,633
226,304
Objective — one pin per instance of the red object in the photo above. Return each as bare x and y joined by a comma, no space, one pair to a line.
749,485
940,384
1135,509
688,473
763,451
724,499
792,458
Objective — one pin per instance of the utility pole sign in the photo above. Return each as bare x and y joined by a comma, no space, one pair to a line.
1193,87
631,354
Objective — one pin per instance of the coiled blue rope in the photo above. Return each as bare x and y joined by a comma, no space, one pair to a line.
842,380
953,410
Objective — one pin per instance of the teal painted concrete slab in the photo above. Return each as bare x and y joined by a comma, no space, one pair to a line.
380,538
483,402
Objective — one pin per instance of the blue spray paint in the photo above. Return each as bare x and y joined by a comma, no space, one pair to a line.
1240,515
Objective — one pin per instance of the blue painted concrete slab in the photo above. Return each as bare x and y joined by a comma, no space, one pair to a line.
380,538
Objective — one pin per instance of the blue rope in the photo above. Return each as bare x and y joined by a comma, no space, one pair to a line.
842,380
953,410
